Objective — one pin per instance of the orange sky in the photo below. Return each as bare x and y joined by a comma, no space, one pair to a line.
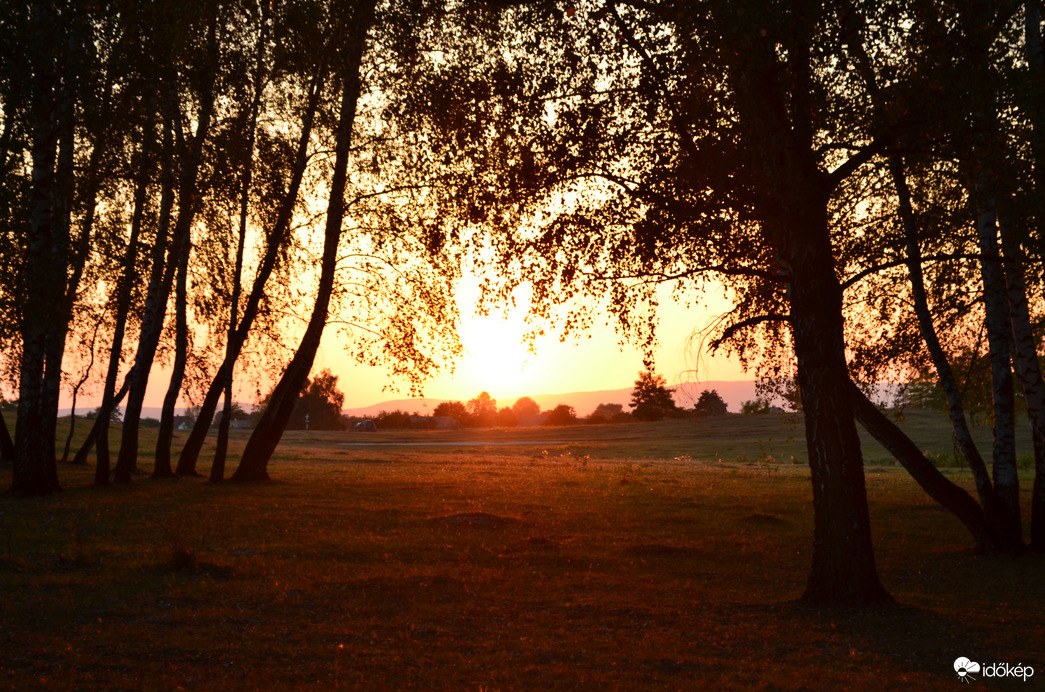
497,361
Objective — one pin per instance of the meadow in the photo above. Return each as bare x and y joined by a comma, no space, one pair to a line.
662,556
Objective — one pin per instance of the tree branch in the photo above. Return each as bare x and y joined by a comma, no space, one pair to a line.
732,329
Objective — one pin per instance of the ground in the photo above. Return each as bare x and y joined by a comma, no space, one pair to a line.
584,558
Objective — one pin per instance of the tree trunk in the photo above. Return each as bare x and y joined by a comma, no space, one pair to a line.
181,351
7,445
221,447
122,308
191,156
1023,338
952,497
92,436
190,452
774,103
76,392
262,443
34,471
948,381
1028,371
999,333
843,570
217,469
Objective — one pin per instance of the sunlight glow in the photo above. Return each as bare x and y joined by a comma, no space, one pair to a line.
496,356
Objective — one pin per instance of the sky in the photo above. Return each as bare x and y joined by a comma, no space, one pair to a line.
496,359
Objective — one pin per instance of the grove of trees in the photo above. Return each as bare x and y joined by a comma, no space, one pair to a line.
864,178
203,187
183,180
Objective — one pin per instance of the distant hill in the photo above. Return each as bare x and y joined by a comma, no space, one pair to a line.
686,394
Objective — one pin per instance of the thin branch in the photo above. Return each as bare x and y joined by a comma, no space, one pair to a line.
943,257
732,329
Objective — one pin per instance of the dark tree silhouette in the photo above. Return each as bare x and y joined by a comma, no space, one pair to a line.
454,409
710,404
483,410
562,414
321,401
651,398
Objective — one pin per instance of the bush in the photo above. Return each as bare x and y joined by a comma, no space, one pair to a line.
561,415
757,406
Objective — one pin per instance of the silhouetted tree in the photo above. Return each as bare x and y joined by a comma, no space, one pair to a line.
506,418
525,406
483,410
454,409
321,401
710,404
562,414
608,413
754,406
651,398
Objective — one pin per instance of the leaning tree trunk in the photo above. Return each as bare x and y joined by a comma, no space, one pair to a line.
950,496
277,236
262,443
122,308
892,438
999,334
217,469
181,351
188,181
944,372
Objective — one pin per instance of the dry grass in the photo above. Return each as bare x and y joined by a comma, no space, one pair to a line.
491,567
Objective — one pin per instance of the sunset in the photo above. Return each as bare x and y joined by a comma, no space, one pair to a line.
522,344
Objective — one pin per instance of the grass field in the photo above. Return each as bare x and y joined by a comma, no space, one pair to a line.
638,557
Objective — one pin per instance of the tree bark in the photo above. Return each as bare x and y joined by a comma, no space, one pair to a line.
122,308
190,452
948,381
262,443
843,570
92,436
999,334
7,445
774,107
1023,338
217,469
181,352
1028,372
34,471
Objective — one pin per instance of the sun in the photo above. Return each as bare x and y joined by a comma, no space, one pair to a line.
496,357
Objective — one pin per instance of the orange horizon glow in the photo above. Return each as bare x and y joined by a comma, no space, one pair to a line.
496,359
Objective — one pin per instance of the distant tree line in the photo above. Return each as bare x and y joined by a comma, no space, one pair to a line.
651,400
